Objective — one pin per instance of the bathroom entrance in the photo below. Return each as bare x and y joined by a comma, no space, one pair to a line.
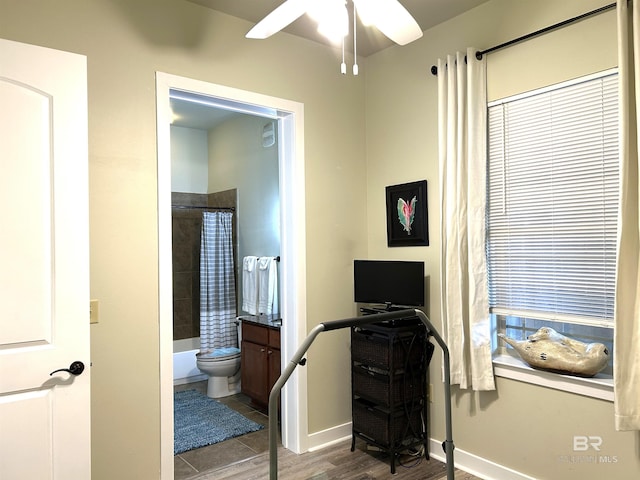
285,218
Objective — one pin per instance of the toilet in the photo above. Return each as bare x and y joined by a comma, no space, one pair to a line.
222,366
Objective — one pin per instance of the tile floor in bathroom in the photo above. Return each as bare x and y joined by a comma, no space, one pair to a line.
208,459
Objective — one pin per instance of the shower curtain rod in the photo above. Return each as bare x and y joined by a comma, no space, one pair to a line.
479,54
189,207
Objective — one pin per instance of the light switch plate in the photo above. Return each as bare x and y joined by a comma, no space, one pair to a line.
93,311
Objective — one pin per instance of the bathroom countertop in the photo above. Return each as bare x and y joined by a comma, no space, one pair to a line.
273,321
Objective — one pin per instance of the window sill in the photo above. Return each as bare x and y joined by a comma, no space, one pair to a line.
599,386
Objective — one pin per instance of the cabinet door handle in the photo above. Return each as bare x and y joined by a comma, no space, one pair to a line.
262,350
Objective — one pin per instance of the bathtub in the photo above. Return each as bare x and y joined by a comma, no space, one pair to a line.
184,361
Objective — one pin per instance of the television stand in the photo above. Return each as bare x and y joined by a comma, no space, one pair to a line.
388,378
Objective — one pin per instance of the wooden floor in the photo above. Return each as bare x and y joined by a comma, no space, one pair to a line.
337,462
247,457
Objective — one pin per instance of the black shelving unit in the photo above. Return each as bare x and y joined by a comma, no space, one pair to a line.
389,385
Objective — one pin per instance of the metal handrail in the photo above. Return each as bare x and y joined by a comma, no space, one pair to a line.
297,359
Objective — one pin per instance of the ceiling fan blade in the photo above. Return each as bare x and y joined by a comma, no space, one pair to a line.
391,18
278,19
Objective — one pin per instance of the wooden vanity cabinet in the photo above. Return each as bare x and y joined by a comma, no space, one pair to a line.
260,367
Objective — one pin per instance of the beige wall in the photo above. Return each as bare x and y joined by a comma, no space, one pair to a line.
523,427
238,160
189,160
126,41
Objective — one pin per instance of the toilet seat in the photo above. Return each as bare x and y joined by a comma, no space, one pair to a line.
220,354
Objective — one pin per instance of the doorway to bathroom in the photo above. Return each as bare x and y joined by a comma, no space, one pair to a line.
286,119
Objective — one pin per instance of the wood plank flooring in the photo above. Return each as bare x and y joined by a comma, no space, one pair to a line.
336,462
247,458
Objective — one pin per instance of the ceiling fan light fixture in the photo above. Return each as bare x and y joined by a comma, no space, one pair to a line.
332,18
332,32
335,30
368,11
321,10
388,16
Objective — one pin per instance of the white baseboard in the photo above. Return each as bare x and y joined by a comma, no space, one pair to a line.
195,378
478,466
325,438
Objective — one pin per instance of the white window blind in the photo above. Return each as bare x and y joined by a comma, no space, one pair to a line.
553,202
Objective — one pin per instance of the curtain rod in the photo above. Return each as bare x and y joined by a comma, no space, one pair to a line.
479,54
189,207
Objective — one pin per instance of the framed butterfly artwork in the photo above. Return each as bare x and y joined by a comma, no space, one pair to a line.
407,216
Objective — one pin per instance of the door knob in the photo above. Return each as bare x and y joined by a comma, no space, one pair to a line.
76,368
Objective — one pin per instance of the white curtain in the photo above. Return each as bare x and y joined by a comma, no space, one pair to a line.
217,282
462,111
627,307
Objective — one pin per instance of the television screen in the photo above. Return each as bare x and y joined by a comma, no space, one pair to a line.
389,282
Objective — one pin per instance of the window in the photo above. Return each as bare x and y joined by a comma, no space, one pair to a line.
552,210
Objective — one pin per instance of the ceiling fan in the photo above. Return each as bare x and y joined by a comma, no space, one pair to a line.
388,16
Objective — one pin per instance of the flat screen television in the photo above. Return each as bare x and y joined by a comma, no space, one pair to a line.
389,282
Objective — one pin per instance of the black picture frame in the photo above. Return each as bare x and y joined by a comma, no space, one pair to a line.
418,229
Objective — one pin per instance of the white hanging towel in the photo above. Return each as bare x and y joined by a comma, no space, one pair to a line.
250,285
267,285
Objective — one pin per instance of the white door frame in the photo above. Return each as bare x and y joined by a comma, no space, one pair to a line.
290,116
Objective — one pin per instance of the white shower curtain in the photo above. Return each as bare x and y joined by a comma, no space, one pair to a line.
627,309
217,282
462,111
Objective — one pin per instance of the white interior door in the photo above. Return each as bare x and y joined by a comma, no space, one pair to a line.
44,264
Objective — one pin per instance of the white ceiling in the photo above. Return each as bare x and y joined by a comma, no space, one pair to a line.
427,13
188,114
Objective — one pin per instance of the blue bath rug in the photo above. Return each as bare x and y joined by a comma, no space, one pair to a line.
199,421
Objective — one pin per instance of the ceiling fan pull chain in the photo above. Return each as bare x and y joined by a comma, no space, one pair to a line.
355,50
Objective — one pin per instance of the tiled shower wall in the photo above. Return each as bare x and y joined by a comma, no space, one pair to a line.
186,226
